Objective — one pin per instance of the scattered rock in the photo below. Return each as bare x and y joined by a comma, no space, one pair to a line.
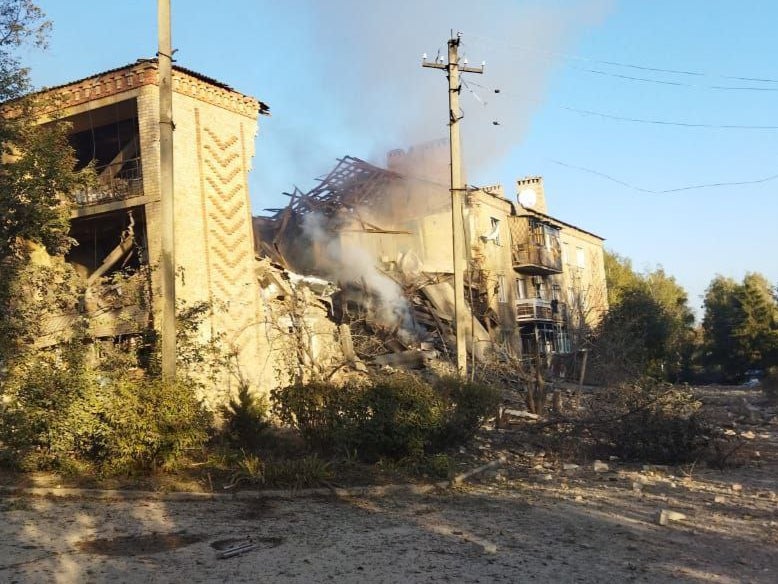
600,466
719,499
736,487
749,435
665,516
570,466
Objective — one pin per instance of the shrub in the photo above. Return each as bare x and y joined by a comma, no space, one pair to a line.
399,416
395,417
468,405
297,473
651,422
324,413
60,414
150,424
246,419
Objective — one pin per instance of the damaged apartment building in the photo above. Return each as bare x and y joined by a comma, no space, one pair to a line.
113,118
535,285
356,270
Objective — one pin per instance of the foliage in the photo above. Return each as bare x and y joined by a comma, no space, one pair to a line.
60,413
650,421
770,383
297,473
251,469
740,326
246,419
43,287
467,405
648,329
394,417
399,416
38,166
324,413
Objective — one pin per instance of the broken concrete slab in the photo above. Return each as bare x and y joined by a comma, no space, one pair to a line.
665,516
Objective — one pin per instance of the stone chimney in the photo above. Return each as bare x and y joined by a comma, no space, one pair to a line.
428,161
531,194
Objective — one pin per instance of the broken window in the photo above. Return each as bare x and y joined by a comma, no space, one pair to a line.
521,288
502,295
580,258
109,139
494,234
108,242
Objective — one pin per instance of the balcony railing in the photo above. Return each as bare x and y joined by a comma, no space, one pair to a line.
115,182
539,309
537,259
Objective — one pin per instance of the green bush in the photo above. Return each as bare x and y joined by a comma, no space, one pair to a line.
246,419
323,413
468,405
399,416
395,417
60,414
150,424
297,473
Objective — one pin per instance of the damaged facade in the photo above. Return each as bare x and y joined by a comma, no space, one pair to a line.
114,126
534,284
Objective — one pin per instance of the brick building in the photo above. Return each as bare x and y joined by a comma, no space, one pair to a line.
115,127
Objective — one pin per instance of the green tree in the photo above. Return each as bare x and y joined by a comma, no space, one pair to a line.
37,163
36,176
648,328
740,326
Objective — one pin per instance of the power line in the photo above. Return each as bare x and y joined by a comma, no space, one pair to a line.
610,116
573,57
667,122
674,83
665,191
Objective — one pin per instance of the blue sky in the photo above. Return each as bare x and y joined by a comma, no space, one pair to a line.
344,77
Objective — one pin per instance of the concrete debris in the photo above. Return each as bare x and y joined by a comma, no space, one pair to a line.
750,413
460,478
410,359
508,416
665,516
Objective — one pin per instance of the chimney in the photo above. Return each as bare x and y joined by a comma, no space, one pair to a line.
427,161
531,194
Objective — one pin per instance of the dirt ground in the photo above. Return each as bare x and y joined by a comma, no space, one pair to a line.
533,520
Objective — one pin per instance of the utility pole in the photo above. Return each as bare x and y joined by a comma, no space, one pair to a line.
453,68
167,219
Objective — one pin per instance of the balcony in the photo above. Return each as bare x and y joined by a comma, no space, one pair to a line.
537,259
115,182
532,309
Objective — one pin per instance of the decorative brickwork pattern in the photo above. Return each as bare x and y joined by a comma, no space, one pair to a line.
229,239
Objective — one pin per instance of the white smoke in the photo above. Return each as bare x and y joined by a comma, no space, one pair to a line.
377,94
356,265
